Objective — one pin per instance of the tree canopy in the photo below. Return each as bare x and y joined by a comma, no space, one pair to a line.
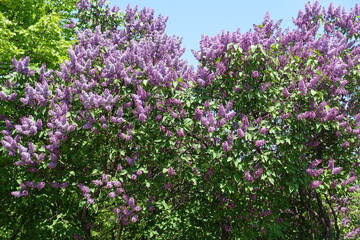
35,28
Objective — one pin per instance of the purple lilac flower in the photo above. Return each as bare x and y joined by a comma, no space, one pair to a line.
331,164
22,66
255,74
258,172
343,124
134,218
83,188
302,87
225,146
252,197
180,133
221,111
119,168
302,116
24,193
211,129
16,194
240,133
260,143
131,202
97,182
245,123
315,163
336,170
345,145
334,183
129,160
265,86
137,208
71,25
198,113
117,211
63,185
104,177
349,181
230,115
266,213
353,234
30,184
112,195
248,176
119,190
142,117
314,172
315,184
352,189
29,126
263,130
171,171
285,116
40,185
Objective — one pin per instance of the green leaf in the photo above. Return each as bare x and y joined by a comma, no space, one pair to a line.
180,80
237,178
271,180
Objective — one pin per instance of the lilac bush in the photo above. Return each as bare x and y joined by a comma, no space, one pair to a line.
127,140
295,98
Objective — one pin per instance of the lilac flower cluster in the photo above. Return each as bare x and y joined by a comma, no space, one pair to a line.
85,190
353,234
5,97
171,171
59,185
29,126
36,96
212,123
336,170
256,175
306,115
128,211
24,188
314,172
315,184
22,66
11,144
260,143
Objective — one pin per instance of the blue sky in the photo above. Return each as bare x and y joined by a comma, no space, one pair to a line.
192,18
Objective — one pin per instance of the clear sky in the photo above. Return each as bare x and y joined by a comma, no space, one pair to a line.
192,18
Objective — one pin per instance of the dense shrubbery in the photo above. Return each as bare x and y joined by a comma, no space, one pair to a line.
126,140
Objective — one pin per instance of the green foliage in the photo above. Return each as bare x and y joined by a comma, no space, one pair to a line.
36,29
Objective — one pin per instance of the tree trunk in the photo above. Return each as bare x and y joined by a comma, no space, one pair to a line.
326,220
118,237
84,224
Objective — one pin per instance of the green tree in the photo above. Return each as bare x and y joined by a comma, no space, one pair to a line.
36,29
